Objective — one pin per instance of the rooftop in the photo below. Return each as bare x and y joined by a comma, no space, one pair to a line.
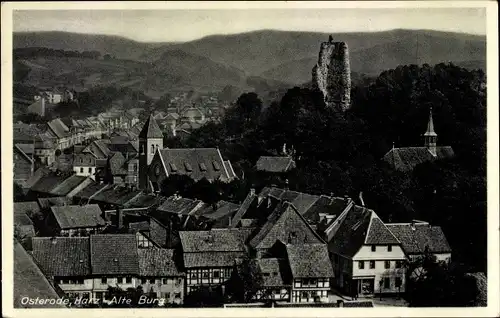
78,216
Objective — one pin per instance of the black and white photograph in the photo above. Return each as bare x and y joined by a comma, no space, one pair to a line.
171,156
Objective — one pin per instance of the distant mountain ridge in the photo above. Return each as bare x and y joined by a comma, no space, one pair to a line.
283,56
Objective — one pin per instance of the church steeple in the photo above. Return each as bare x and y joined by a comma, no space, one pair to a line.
150,141
430,136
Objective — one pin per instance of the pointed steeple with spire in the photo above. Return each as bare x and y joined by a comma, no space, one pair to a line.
151,129
430,136
150,141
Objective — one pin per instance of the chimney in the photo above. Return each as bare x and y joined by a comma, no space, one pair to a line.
53,240
286,184
43,106
361,199
413,225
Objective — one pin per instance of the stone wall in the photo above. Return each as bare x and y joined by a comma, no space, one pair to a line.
332,75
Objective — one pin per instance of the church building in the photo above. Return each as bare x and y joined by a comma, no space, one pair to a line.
407,158
157,163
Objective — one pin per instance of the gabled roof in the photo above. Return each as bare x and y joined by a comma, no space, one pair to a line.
179,205
69,185
27,149
309,260
326,205
197,163
301,201
243,208
114,254
58,128
78,216
29,209
46,203
378,233
90,190
157,262
62,256
150,129
405,159
48,182
216,240
37,176
143,201
275,164
24,155
286,225
117,195
416,237
274,272
29,281
351,232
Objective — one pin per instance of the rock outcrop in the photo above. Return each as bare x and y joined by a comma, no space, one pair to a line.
332,74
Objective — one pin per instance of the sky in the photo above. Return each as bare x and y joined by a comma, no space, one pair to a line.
184,25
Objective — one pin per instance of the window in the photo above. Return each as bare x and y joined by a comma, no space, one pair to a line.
179,281
90,170
361,264
387,282
216,166
374,248
387,264
79,281
166,295
177,295
205,274
399,264
152,149
266,274
135,167
398,282
104,280
203,167
165,281
143,280
216,274
389,248
312,282
119,280
372,264
173,167
81,170
129,280
188,167
65,281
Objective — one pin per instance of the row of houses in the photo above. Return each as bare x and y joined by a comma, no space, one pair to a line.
303,244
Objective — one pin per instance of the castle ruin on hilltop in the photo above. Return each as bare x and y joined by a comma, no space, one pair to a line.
332,74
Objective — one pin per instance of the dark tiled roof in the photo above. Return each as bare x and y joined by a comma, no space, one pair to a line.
211,259
217,240
351,233
59,128
29,209
114,254
90,190
197,163
138,226
151,129
243,209
273,272
415,239
325,205
78,216
309,260
220,210
178,205
379,234
68,185
62,256
284,224
46,203
47,183
301,201
117,195
275,164
405,159
29,281
144,200
157,262
39,174
84,160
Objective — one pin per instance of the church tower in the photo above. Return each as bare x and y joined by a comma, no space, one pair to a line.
150,140
430,136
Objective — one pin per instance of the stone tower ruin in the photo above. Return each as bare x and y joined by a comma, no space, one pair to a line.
332,74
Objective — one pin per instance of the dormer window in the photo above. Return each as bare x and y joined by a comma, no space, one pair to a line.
203,167
173,167
188,167
216,165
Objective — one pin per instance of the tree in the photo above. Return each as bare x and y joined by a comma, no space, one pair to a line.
246,279
19,194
